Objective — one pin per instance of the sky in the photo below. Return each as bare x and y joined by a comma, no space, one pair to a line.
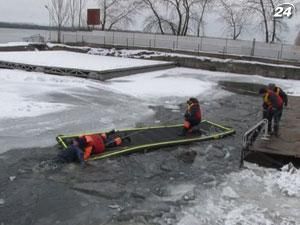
27,11
34,11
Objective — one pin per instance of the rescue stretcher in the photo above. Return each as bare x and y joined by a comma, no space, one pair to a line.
154,137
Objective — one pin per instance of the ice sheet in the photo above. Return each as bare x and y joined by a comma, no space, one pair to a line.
251,196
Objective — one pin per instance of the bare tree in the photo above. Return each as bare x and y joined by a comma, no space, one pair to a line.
187,4
297,41
81,6
150,20
235,17
117,13
60,14
271,26
198,12
73,8
179,18
177,7
278,25
260,7
170,16
161,16
263,12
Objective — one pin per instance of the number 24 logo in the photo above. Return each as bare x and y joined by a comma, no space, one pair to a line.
284,9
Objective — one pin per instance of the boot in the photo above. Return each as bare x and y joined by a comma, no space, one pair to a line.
276,128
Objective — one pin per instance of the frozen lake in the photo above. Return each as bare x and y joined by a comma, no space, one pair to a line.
17,35
36,107
41,106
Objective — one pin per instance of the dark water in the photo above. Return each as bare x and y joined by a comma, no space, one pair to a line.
141,188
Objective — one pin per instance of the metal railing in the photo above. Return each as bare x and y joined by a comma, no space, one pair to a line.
251,135
184,43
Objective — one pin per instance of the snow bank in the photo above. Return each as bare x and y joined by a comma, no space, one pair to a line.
288,181
148,54
53,45
73,60
14,44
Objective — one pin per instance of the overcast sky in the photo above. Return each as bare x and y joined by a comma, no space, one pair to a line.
34,11
27,11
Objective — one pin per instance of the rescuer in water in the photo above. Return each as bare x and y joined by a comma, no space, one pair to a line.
86,145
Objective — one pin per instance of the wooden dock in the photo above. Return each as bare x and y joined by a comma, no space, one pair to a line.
288,142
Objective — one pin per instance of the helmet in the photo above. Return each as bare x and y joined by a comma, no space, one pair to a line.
193,100
271,86
262,90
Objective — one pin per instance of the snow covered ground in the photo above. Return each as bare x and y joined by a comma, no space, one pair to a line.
14,44
73,60
146,54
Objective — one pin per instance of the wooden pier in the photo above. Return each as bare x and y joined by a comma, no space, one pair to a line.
287,145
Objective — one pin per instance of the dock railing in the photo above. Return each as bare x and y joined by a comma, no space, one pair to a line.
251,135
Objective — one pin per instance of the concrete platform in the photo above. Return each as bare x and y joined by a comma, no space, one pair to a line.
288,142
67,63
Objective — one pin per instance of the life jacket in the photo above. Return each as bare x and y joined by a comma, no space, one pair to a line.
272,100
277,90
104,136
281,94
96,141
279,101
195,111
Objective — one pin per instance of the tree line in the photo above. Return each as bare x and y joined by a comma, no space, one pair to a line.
177,17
